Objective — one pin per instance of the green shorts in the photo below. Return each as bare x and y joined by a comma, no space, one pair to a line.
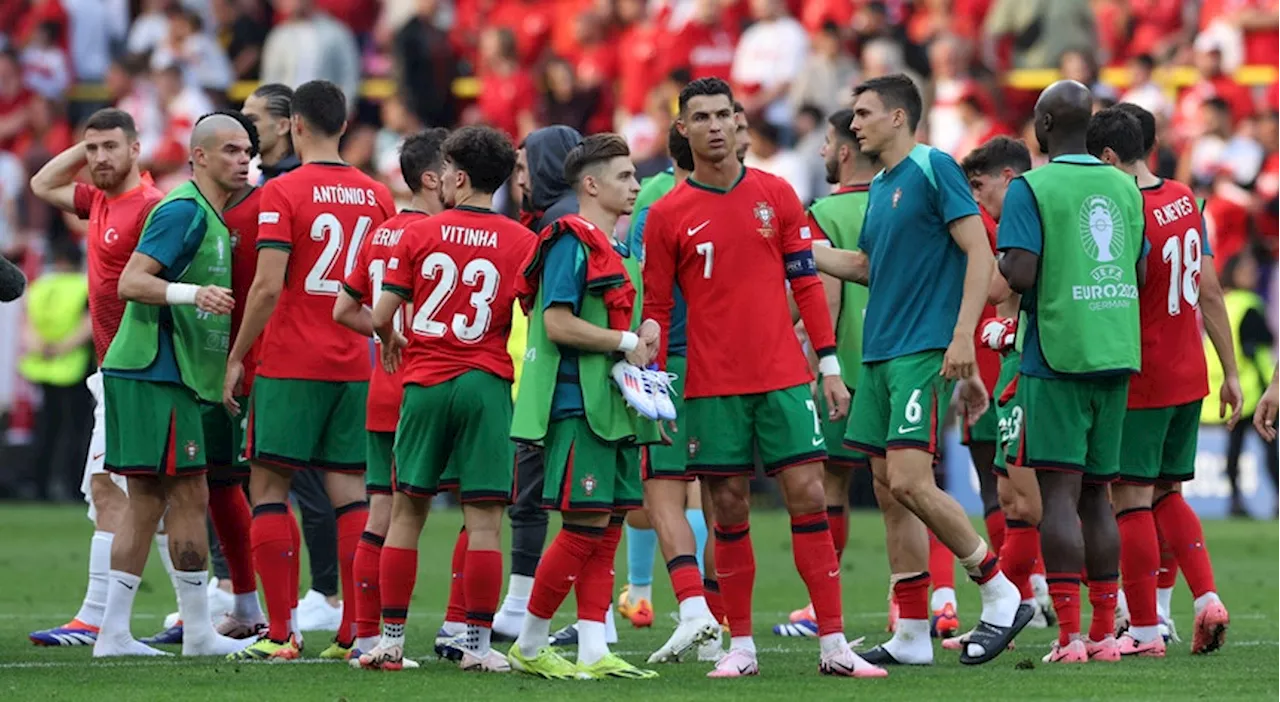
308,424
465,422
379,455
900,404
1008,422
839,455
1070,425
584,473
154,429
1160,444
224,444
985,430
724,432
668,462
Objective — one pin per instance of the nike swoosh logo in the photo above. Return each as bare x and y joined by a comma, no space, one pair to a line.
744,670
818,441
908,430
833,574
125,584
194,583
694,230
98,455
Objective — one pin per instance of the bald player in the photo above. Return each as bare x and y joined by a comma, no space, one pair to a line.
1072,234
163,368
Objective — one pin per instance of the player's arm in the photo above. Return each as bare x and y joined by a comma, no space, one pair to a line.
964,221
275,244
831,285
160,246
55,183
999,291
348,306
851,266
811,298
659,278
1213,311
1020,237
564,278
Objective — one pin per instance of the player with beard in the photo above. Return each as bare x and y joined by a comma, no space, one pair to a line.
421,164
116,205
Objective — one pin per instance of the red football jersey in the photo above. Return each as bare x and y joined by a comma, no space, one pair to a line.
115,224
1173,366
320,212
459,268
726,250
365,284
988,361
242,221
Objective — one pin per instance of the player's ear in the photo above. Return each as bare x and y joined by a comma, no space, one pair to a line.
430,180
682,127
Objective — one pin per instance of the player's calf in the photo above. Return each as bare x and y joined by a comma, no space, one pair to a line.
109,503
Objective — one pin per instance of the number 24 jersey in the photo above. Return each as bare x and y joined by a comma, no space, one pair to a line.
321,213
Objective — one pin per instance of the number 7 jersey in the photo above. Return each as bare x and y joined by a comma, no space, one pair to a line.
459,269
321,213
1173,367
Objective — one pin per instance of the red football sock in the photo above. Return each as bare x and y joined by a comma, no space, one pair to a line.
686,581
816,561
398,572
232,521
483,585
715,601
1168,576
295,575
995,530
912,595
1181,528
1039,569
942,564
367,601
1102,598
1019,555
275,557
1139,561
1064,588
351,520
561,564
736,571
457,610
595,584
838,519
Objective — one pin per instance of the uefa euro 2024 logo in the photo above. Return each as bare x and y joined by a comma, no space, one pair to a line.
1102,234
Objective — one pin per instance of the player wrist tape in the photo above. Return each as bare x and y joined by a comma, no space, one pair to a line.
829,366
181,293
629,342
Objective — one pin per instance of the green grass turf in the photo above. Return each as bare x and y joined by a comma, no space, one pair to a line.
43,556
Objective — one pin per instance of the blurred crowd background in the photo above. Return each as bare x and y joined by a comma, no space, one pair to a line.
1206,68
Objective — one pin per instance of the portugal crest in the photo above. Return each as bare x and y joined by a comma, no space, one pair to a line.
589,485
694,445
764,215
192,449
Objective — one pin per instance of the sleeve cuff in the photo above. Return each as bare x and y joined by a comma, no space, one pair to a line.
353,292
404,293
271,244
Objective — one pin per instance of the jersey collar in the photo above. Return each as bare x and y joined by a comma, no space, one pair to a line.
469,208
1078,160
713,189
855,188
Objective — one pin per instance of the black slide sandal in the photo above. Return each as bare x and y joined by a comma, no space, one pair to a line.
994,640
878,655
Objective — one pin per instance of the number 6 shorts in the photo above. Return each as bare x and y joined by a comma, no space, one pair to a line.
900,403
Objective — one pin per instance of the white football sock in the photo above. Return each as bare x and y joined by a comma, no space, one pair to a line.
519,587
454,628
122,588
364,644
743,643
1205,600
910,643
247,606
95,595
591,642
610,627
193,606
1000,601
293,623
1164,601
640,592
1143,634
162,544
942,597
478,639
392,635
695,608
534,634
830,643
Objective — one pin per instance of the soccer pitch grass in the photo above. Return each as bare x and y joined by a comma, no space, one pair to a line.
43,556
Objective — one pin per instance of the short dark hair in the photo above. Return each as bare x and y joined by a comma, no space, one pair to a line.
842,122
897,92
1145,60
1146,120
421,153
678,147
1218,104
321,105
996,155
484,154
766,131
279,99
704,86
738,108
255,146
812,110
1117,130
109,118
597,148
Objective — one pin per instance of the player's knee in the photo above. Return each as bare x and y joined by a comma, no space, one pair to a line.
379,519
905,490
807,499
188,494
109,502
731,506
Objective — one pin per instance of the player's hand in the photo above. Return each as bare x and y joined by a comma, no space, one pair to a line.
666,430
958,361
998,333
1230,396
231,386
643,353
837,397
1264,417
215,299
973,397
391,351
651,332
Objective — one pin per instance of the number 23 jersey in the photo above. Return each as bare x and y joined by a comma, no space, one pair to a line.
321,213
1173,367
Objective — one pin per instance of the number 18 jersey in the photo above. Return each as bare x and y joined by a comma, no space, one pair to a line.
1173,367
459,269
321,213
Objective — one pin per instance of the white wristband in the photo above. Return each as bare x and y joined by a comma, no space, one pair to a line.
829,366
181,293
629,342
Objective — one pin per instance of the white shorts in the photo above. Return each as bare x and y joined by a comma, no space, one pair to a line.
94,461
